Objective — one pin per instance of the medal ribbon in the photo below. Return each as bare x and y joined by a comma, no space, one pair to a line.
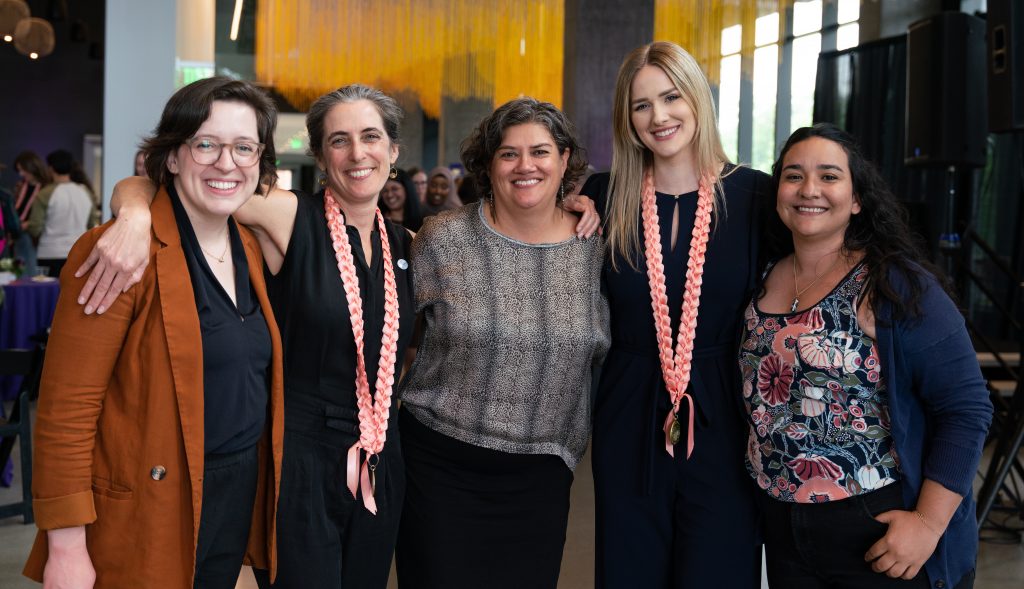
373,412
675,366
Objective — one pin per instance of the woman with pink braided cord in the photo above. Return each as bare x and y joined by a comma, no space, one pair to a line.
673,505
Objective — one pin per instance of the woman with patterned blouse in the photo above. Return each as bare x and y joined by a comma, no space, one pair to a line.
866,407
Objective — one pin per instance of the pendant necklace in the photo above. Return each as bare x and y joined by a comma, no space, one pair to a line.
373,412
799,291
676,365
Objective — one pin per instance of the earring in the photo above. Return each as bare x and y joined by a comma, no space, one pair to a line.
561,192
323,181
393,173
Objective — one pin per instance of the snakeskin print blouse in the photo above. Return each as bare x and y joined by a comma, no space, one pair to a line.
512,332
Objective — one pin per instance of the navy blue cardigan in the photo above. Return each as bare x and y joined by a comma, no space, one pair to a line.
940,412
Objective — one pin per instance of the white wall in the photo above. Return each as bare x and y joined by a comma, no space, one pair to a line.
138,80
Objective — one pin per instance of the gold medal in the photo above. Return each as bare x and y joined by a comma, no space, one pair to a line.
675,431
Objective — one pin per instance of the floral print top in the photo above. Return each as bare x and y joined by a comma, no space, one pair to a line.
817,404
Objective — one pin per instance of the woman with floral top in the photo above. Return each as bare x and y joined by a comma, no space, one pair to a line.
866,407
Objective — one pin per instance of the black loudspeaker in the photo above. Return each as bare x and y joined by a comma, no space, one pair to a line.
946,98
1005,65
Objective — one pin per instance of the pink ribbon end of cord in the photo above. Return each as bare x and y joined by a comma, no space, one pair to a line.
352,469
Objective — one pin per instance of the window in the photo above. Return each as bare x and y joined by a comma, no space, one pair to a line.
729,90
766,68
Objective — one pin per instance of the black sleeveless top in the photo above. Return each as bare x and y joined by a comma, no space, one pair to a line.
312,314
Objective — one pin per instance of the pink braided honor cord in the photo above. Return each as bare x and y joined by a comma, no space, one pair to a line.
373,413
676,366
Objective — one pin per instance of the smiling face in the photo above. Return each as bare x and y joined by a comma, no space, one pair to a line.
438,189
527,168
357,153
815,199
214,191
660,116
393,196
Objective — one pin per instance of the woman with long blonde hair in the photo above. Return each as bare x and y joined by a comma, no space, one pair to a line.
674,506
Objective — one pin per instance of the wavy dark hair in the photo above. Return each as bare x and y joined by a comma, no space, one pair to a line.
880,230
479,148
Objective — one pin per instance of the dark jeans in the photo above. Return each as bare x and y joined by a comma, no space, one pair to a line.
229,491
822,545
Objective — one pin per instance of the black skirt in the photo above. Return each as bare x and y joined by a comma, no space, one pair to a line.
476,517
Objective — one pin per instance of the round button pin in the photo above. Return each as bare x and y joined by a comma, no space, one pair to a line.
158,473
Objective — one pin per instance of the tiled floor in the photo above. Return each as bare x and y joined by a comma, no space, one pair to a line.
1000,566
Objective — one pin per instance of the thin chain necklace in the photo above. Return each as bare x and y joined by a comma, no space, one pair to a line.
675,366
373,412
223,254
799,291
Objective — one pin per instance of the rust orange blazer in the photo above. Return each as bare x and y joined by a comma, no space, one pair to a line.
122,393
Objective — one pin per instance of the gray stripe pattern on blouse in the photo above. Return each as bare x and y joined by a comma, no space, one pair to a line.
513,331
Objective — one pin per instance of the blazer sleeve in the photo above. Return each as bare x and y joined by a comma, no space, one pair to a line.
947,379
80,358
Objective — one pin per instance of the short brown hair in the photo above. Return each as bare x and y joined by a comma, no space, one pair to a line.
479,148
189,108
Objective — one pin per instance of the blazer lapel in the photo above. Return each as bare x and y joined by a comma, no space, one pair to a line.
184,339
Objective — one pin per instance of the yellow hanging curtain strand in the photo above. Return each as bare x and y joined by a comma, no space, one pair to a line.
484,49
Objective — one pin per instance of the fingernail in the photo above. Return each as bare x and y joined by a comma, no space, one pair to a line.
88,308
100,310
81,300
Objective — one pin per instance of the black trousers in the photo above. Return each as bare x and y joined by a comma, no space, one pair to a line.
822,545
476,517
229,491
55,265
326,539
665,522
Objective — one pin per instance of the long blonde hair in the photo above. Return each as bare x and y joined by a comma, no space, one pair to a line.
630,158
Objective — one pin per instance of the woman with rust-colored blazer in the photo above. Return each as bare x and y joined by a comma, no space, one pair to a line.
172,476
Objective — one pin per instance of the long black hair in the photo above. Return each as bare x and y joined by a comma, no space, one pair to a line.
412,218
880,230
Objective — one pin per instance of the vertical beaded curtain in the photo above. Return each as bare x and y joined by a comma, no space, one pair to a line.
484,49
696,25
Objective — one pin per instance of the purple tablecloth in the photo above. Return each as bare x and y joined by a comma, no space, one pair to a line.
27,310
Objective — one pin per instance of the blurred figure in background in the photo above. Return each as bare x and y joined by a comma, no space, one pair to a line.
34,175
419,180
399,202
442,195
60,214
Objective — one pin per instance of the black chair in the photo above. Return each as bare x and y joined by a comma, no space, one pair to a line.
27,364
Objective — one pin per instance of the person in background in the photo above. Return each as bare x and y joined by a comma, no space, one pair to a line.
399,202
60,214
419,180
159,432
140,163
867,410
674,507
442,195
33,176
78,176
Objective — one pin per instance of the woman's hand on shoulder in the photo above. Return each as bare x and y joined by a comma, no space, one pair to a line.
906,546
590,221
68,565
118,260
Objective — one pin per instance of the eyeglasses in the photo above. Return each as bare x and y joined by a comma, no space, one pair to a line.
206,152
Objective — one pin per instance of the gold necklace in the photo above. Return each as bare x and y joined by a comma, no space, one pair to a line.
799,291
223,254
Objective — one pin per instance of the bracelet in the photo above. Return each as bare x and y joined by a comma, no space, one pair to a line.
926,524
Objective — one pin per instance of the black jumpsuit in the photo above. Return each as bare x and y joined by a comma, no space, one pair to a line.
664,522
325,537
